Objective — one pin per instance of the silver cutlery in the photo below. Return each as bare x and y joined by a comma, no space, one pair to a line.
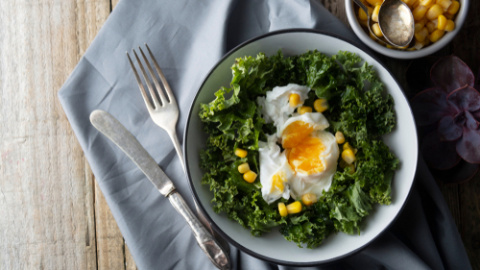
118,134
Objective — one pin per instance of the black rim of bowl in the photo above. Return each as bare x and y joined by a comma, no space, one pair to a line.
195,195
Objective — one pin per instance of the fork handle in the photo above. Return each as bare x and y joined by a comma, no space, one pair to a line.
204,238
178,147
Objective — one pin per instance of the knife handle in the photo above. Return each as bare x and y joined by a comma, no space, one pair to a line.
204,238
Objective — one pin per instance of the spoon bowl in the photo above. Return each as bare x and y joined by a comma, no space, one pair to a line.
396,22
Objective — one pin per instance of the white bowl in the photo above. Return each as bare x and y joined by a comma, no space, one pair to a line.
351,7
272,246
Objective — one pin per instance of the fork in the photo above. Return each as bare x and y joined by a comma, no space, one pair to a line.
163,106
163,109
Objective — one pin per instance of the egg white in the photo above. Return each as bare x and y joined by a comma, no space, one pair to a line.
275,108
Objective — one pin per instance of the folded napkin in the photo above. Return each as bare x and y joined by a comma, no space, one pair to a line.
187,38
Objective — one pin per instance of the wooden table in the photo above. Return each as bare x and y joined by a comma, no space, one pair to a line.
52,213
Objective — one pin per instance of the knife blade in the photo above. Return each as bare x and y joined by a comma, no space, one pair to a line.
119,135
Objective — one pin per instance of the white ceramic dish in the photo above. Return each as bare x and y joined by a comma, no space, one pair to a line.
351,7
272,246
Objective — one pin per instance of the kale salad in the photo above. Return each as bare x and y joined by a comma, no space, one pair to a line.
356,106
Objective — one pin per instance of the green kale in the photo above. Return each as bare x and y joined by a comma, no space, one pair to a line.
358,106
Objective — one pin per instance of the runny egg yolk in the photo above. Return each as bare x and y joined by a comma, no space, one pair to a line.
295,133
303,152
305,157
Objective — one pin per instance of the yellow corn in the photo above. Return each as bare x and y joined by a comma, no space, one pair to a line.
250,176
409,2
277,183
445,4
419,12
419,25
434,11
320,105
431,26
427,3
441,22
376,9
450,26
436,35
294,208
309,199
348,156
304,109
351,168
282,209
375,2
240,153
243,168
362,15
294,99
376,30
347,146
339,137
421,35
453,8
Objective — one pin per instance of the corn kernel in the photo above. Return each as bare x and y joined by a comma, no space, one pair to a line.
320,105
294,99
375,2
350,168
410,3
362,15
243,168
376,30
427,3
304,109
419,26
250,176
445,4
433,12
348,156
309,199
441,22
347,146
450,26
282,209
415,4
277,183
376,9
419,12
240,153
431,26
339,137
436,35
453,8
294,208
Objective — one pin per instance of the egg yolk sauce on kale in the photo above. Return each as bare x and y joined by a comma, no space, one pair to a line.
358,107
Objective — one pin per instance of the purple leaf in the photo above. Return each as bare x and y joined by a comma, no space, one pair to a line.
468,147
448,129
450,73
471,122
430,105
465,98
439,154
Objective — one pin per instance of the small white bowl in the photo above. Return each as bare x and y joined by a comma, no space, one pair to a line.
272,246
351,7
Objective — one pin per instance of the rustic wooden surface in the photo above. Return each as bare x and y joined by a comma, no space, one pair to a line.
52,212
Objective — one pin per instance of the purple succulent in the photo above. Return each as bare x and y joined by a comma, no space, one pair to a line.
452,108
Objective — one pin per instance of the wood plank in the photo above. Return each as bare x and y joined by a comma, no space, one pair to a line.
112,251
46,200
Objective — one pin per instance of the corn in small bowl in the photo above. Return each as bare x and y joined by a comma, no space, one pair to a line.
436,24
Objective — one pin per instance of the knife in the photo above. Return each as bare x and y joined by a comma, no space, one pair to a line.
118,134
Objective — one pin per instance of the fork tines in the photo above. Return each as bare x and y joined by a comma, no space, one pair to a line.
160,92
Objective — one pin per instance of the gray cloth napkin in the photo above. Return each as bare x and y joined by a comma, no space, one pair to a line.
187,38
